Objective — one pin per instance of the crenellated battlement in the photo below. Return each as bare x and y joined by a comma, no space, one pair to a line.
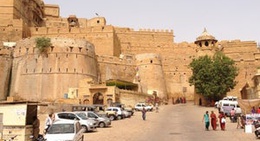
59,46
156,30
73,30
144,30
126,60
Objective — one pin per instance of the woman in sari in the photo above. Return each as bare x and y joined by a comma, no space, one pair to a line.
222,120
213,120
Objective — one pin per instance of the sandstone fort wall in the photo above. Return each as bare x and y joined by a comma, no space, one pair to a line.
105,41
150,74
5,67
67,61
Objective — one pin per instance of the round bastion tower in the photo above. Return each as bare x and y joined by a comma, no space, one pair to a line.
50,75
150,74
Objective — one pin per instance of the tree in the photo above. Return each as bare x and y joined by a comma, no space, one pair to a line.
213,76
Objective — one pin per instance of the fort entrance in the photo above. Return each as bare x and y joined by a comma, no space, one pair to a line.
98,98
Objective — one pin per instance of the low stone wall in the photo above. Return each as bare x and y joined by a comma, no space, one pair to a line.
130,98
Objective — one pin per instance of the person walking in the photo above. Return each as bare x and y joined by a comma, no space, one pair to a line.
222,120
213,120
36,128
239,125
144,114
157,107
206,120
48,122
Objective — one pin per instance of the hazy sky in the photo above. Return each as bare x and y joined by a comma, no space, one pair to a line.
224,19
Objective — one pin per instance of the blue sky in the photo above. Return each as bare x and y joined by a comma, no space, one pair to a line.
224,19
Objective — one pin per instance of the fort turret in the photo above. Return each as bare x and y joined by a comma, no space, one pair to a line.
49,76
205,40
150,75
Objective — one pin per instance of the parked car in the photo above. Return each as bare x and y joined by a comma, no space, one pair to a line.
130,110
122,106
88,124
126,114
64,130
140,106
102,121
119,111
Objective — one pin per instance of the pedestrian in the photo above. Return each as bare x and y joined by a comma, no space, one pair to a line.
36,128
156,107
206,120
239,121
48,122
213,120
258,110
144,114
253,111
232,115
222,120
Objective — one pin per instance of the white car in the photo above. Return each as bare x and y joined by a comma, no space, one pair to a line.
140,106
119,111
63,131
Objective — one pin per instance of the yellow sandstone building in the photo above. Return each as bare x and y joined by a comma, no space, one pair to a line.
88,58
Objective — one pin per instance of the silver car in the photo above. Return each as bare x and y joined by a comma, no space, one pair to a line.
88,124
102,121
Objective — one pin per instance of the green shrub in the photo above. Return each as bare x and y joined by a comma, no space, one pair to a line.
42,44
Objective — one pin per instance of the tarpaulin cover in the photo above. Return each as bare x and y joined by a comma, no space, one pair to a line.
247,104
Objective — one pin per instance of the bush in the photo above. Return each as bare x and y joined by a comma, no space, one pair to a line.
42,44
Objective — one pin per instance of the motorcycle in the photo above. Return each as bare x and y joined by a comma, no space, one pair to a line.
40,138
257,128
233,119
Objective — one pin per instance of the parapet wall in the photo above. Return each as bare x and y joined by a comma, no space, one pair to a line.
59,30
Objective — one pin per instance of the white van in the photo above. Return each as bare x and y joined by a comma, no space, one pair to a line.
226,106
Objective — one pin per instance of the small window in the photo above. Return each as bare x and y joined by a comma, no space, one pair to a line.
206,43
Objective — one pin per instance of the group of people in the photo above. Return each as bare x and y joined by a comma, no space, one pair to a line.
212,120
255,111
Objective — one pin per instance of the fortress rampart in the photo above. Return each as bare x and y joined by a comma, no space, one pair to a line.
5,67
117,68
150,74
66,62
105,41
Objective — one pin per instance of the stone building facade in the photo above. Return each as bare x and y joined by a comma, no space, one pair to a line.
85,53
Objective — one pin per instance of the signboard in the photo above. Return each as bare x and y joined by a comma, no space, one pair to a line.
13,113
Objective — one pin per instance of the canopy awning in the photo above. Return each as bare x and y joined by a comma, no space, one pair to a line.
247,104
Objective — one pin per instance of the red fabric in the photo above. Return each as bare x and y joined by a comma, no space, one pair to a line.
213,121
222,125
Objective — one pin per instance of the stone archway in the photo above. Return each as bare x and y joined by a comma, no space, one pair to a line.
86,101
98,98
